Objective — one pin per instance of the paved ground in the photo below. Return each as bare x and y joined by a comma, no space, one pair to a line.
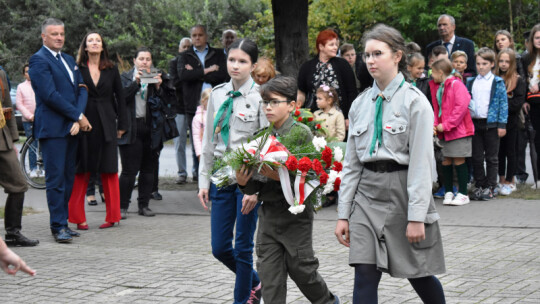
492,254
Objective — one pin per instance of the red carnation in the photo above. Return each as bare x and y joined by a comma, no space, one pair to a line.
317,126
300,119
338,166
337,183
310,119
304,165
326,156
317,166
297,113
292,163
323,178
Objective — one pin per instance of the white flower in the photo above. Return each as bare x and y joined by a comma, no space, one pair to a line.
333,175
319,143
329,187
297,209
338,154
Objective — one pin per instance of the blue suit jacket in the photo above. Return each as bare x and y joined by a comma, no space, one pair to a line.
460,44
59,102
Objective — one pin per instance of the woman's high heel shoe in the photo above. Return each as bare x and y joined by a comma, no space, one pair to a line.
107,225
102,198
82,227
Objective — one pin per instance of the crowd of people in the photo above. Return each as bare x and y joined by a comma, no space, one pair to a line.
388,101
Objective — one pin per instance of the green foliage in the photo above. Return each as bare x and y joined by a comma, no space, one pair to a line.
125,25
477,20
160,24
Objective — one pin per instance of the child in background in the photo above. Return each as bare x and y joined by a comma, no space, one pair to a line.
26,104
438,52
264,71
459,63
334,121
454,128
516,89
489,115
284,240
199,122
415,65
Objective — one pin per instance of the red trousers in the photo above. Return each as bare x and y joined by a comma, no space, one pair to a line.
111,190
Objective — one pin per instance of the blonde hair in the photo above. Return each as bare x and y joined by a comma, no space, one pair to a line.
264,66
206,94
457,54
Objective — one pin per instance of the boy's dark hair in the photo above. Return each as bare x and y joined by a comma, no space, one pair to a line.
486,54
26,65
281,85
438,50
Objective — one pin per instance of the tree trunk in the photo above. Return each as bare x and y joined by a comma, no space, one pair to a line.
291,35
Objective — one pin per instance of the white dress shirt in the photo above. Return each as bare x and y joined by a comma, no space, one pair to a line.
481,93
63,61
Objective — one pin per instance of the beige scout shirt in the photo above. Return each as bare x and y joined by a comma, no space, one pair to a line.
334,122
407,139
247,117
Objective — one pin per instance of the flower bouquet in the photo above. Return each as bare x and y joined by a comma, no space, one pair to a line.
316,166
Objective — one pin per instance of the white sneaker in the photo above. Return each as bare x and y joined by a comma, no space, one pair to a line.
512,187
33,174
536,185
460,200
505,190
448,197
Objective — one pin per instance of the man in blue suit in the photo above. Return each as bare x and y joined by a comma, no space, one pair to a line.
60,103
446,26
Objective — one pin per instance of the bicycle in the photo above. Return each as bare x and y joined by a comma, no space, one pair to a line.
35,177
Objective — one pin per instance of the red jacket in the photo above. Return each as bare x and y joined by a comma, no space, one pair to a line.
455,117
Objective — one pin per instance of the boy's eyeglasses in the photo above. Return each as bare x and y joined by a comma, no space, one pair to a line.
273,103
375,55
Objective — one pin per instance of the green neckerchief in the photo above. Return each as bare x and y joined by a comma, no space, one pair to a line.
440,93
377,132
414,83
225,109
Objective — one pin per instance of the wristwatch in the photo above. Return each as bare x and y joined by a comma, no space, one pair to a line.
81,116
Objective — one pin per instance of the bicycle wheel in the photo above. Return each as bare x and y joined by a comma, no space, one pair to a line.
31,163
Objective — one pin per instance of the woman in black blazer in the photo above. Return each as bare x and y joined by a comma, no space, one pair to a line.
106,112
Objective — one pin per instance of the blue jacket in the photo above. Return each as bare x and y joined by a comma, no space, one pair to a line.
498,102
59,102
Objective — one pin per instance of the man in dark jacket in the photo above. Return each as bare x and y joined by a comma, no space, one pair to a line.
446,26
199,68
181,123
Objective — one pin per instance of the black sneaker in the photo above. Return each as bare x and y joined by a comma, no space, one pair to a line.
156,196
476,194
487,194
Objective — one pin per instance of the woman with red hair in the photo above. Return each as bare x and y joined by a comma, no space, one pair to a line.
327,69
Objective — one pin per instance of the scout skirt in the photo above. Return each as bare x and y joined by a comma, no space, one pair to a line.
378,223
461,147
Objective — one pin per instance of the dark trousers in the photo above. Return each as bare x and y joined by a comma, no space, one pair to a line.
522,140
95,178
285,247
59,156
226,222
137,157
485,147
155,184
14,184
195,169
508,154
534,113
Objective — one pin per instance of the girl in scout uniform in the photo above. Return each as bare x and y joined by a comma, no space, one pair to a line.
386,212
234,113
